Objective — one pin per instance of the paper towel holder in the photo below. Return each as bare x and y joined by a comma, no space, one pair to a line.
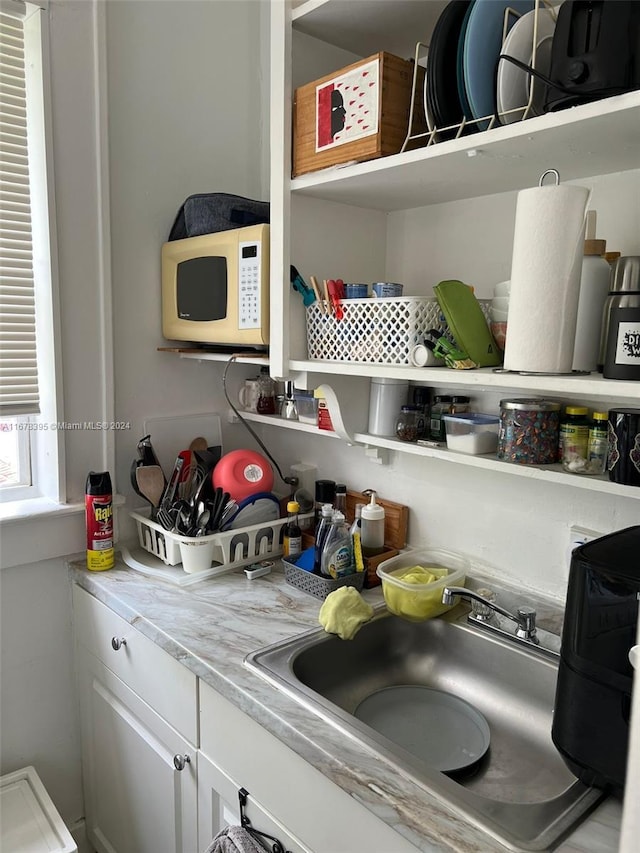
553,172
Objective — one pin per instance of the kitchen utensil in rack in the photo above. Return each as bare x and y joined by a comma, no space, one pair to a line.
436,90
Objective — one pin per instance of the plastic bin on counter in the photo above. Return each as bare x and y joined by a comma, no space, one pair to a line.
405,594
318,585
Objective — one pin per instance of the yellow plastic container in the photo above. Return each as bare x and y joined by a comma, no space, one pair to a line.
412,582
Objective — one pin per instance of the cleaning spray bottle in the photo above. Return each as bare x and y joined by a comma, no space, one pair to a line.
98,503
372,535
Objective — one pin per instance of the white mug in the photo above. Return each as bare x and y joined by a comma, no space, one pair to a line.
249,395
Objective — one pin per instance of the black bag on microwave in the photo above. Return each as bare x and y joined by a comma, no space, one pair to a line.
206,213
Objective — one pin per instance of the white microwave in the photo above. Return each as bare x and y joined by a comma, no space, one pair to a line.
215,288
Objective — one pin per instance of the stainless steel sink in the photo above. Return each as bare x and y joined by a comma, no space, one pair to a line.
521,792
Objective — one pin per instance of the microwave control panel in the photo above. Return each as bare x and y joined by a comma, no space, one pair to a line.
249,262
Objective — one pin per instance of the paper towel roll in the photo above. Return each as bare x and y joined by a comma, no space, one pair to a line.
545,278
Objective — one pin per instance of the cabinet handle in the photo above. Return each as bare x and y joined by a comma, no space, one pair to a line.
117,643
181,761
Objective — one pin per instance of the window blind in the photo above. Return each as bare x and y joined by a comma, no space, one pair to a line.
18,364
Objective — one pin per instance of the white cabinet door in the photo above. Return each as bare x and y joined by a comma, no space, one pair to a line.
218,806
136,800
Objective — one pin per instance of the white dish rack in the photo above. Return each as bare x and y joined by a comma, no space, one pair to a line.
217,553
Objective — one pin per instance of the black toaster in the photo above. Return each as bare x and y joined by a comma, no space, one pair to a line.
595,52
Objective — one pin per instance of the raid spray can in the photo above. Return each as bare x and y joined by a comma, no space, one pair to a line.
98,502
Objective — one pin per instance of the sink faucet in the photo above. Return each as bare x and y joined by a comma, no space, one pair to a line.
525,617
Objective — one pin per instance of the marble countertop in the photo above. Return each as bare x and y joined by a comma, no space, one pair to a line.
212,625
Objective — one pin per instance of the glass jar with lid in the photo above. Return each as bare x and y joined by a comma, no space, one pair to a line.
410,423
459,404
598,446
574,439
441,405
528,433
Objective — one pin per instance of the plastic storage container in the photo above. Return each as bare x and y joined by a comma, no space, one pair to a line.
30,821
405,594
471,432
316,585
307,407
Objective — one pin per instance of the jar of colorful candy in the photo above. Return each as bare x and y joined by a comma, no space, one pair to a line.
529,431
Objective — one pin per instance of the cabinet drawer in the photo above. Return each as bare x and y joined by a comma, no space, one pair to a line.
163,683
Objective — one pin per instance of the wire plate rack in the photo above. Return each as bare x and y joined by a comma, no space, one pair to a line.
454,131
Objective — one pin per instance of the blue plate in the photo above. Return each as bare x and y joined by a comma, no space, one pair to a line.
462,93
482,45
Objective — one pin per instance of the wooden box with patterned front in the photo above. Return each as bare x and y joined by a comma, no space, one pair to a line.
358,113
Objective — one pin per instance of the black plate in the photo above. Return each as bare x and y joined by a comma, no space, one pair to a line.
442,67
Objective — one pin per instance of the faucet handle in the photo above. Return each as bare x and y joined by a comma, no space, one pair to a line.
480,610
527,626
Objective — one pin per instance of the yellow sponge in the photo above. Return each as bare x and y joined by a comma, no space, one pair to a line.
344,612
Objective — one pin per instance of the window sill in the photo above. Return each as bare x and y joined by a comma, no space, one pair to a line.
31,508
54,530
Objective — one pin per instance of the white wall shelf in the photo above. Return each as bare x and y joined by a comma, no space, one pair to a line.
578,142
589,386
546,473
277,421
205,355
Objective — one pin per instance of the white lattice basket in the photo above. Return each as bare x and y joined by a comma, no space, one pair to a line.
374,331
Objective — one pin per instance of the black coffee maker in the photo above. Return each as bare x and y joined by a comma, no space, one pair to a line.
593,693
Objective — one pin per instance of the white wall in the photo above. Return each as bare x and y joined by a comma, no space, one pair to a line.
185,102
186,85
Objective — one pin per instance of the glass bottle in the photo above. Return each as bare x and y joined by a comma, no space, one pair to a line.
266,393
598,443
459,404
292,538
340,500
574,439
325,493
441,405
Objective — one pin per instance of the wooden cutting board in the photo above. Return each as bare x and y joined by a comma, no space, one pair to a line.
396,518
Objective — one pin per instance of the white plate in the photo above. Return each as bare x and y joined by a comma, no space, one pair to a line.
431,125
442,730
513,84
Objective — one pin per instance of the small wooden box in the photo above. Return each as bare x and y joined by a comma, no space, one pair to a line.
357,113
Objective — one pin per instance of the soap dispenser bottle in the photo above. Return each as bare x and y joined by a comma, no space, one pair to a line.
372,535
337,552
